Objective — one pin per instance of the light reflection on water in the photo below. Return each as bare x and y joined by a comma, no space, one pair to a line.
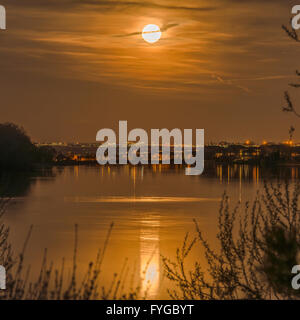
138,199
152,208
150,255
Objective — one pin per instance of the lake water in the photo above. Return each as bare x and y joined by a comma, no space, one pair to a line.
152,209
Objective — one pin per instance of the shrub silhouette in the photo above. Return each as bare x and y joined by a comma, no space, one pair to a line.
258,247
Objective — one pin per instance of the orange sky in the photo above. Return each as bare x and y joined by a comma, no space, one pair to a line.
71,67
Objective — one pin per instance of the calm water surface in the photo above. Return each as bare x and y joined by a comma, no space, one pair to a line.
152,209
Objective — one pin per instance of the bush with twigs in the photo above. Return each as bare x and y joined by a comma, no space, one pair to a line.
259,244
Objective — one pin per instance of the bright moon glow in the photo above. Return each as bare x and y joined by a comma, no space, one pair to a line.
151,33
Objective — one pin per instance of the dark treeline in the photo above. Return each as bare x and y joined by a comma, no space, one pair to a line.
17,152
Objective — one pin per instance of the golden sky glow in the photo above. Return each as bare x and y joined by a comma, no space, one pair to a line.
219,57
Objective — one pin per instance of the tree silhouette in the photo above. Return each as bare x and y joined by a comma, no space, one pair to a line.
17,152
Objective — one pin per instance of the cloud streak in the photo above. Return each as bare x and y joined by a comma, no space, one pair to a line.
229,82
111,5
163,28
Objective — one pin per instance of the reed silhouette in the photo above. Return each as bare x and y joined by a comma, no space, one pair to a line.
52,283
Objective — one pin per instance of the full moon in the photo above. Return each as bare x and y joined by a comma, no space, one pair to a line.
151,33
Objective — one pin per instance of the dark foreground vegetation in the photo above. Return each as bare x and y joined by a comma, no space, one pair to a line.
258,245
53,283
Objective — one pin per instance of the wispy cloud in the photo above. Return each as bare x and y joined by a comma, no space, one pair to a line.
112,5
162,29
105,45
229,82
84,61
